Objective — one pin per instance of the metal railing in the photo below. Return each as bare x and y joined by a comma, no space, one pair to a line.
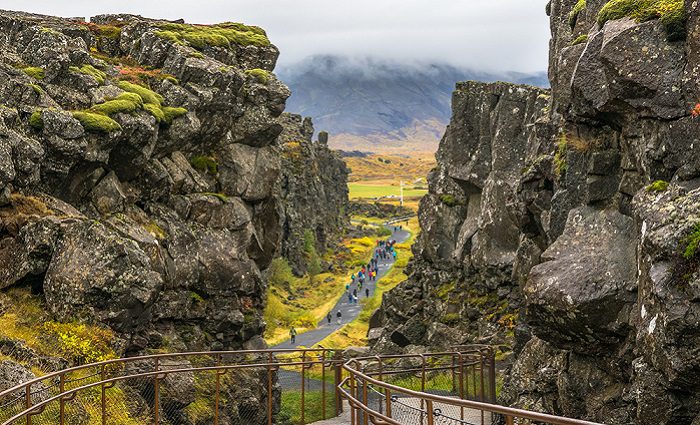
239,387
456,387
265,387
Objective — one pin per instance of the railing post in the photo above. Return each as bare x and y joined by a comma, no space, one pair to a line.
338,364
28,402
353,394
509,420
156,392
103,395
492,375
323,384
422,384
217,390
269,388
381,378
429,408
303,386
365,414
388,403
61,401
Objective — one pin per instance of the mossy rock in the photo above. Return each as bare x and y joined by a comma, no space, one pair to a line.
96,123
692,243
575,12
90,70
147,95
35,120
34,72
671,13
205,164
448,200
261,75
657,186
580,39
172,113
221,35
117,106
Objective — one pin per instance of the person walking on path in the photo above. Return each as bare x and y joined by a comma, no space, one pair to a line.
293,335
339,315
367,292
329,317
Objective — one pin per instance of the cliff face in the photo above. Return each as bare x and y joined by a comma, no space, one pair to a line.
150,210
597,219
313,190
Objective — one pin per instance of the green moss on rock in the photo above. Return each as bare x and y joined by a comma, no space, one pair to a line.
155,110
671,13
171,113
205,164
657,186
573,15
448,200
147,95
261,75
90,70
36,121
34,72
222,35
692,243
580,39
112,107
96,123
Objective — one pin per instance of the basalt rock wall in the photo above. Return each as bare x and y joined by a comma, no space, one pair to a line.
592,229
313,190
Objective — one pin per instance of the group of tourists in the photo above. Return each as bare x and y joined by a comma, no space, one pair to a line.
384,250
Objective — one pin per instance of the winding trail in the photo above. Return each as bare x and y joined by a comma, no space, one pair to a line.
349,311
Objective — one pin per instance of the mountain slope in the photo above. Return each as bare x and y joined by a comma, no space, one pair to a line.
374,105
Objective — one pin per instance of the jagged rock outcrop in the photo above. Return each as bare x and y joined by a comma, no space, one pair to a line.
465,252
138,164
313,190
599,227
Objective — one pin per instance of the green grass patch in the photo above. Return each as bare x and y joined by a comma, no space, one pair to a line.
290,411
261,75
671,13
96,123
363,190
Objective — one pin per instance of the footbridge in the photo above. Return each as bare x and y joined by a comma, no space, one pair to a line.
272,387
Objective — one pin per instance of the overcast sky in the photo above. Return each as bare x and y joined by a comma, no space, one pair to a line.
494,35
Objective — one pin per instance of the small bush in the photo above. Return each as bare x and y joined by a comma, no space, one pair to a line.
90,70
36,121
96,123
657,186
261,75
205,164
573,15
671,13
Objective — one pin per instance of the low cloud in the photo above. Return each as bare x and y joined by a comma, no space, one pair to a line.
490,35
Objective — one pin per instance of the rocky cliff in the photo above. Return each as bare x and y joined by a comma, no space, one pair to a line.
313,190
595,217
137,167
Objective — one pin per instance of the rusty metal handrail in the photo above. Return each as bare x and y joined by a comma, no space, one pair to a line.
357,404
265,359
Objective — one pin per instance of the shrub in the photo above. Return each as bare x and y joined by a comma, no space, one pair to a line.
36,121
90,70
261,75
148,95
205,164
657,186
671,13
573,15
580,39
313,261
96,123
34,72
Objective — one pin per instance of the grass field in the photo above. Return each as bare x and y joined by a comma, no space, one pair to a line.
381,189
409,167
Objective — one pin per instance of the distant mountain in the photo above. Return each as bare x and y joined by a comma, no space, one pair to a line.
374,105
